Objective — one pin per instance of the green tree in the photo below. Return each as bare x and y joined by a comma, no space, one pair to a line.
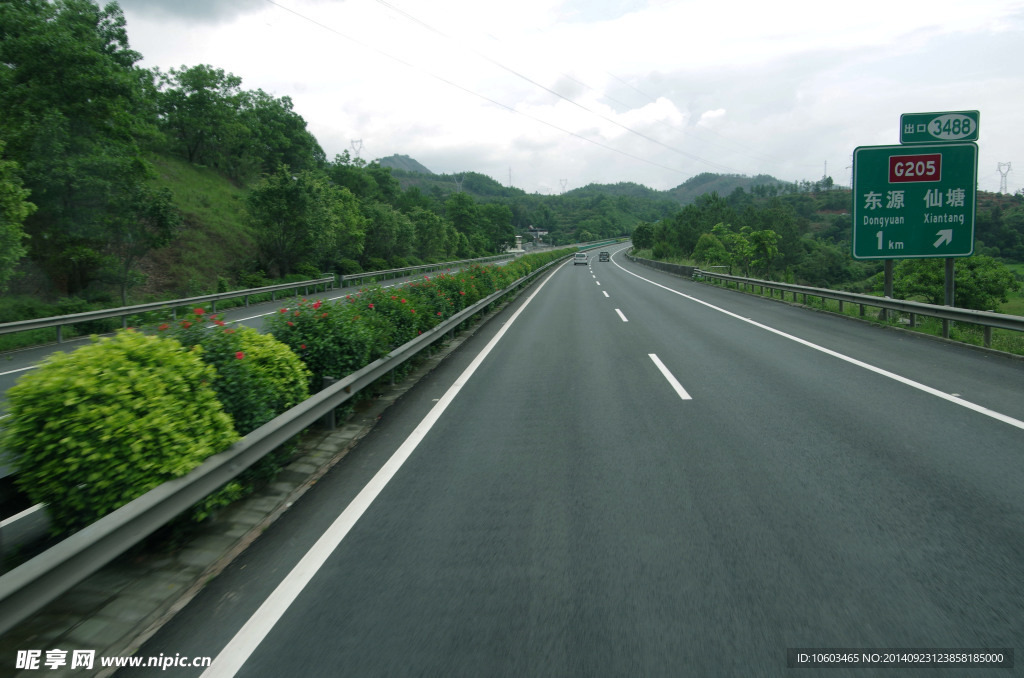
390,235
79,145
277,134
301,218
765,248
710,251
433,235
737,245
496,222
463,213
980,282
14,208
643,236
200,113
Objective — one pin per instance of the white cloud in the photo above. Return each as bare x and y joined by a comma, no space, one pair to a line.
466,85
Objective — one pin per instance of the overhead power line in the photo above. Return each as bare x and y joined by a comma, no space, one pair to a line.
466,89
525,78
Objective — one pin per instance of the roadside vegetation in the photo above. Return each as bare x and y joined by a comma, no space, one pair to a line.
145,406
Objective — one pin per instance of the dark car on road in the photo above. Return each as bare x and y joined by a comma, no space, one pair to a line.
603,256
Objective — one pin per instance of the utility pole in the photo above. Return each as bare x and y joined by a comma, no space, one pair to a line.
1004,169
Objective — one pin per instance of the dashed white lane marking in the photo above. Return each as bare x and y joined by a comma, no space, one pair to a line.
673,382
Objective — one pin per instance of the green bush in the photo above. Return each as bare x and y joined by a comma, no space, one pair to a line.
258,376
93,429
333,339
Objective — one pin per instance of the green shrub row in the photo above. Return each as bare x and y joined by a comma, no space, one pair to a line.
336,338
93,429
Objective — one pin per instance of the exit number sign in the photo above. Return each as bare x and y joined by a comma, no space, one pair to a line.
930,128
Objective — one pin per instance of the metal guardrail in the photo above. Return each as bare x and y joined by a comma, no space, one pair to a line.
986,319
125,311
397,272
30,586
174,304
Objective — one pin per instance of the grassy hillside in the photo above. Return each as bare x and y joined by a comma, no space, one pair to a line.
214,241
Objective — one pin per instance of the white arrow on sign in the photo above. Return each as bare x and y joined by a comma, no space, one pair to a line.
945,237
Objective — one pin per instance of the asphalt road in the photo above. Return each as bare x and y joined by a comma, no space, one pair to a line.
565,504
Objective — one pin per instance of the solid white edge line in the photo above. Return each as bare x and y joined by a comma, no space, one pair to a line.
247,639
673,382
621,316
980,409
20,369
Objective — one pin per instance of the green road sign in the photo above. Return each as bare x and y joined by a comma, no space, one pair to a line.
933,128
914,201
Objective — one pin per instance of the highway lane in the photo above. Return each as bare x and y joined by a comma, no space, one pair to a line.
570,514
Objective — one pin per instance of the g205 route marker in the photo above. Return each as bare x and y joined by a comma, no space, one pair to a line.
914,201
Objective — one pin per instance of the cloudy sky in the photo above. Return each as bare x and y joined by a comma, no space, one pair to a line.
553,93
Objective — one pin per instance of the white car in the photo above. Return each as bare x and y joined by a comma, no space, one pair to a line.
580,258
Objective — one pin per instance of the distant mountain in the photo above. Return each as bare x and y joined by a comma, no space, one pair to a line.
411,173
403,162
723,184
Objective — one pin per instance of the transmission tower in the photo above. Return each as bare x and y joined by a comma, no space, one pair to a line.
459,178
563,182
357,146
1004,169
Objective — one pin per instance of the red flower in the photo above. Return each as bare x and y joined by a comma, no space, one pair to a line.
302,346
284,310
324,314
199,311
371,305
413,310
239,355
291,324
439,313
163,327
297,313
186,324
317,305
462,293
403,301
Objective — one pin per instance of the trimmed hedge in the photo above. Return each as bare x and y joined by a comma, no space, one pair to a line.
93,429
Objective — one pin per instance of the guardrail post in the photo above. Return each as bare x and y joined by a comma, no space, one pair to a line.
988,336
328,421
60,334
